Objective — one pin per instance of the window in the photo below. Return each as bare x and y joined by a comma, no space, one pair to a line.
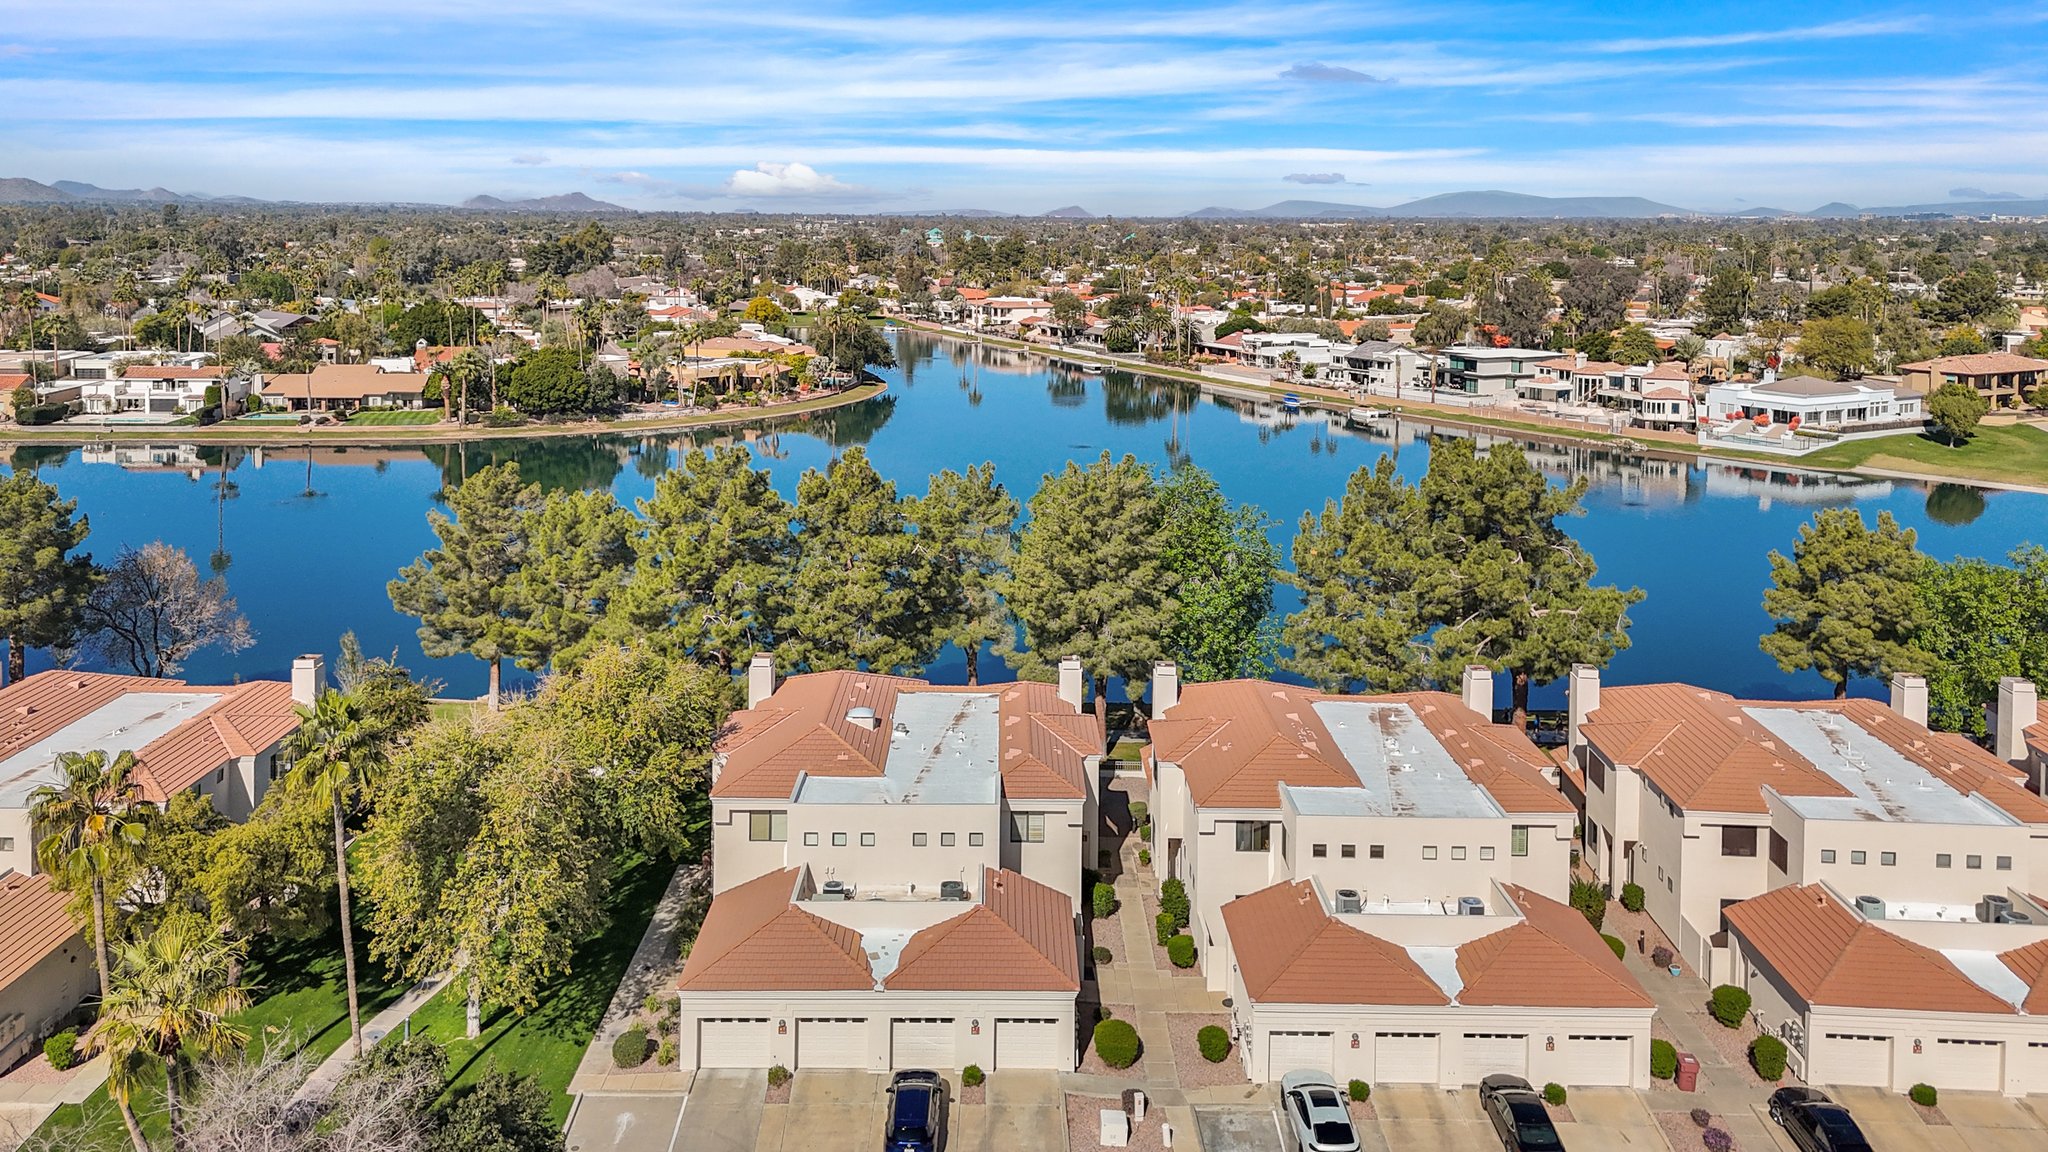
867,839
1429,851
1827,856
839,839
6,843
919,839
1377,852
1518,840
1486,853
1348,851
1319,850
1596,772
1888,859
1027,827
1781,852
767,825
221,775
810,839
1973,862
946,839
1859,856
973,839
1457,851
1941,859
1738,840
1254,835
2004,863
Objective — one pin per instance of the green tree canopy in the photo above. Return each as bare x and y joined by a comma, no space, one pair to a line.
1956,408
44,583
1981,622
1222,565
465,593
859,598
1843,347
1846,602
1365,569
578,552
966,524
549,382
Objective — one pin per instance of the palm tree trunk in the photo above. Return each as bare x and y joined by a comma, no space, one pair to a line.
497,676
99,935
133,1125
348,935
172,1105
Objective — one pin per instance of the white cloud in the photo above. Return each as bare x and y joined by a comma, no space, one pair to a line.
1839,30
790,180
1315,178
530,159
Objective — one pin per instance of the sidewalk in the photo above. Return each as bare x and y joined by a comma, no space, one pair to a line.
655,964
32,1092
1724,1088
321,1083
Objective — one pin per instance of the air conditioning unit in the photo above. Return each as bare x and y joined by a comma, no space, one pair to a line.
2011,916
952,890
1348,900
1871,907
836,890
1992,907
1471,906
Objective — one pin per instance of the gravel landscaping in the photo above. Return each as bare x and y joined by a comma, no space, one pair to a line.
1084,1125
1189,1066
1093,1065
1685,1136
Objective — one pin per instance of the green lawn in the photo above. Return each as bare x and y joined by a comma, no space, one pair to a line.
299,996
451,709
548,1042
395,417
2012,454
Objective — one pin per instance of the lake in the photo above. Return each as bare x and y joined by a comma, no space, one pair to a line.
307,538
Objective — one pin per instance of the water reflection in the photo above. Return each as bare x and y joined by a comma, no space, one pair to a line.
1954,504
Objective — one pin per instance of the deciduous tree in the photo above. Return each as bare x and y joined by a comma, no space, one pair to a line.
1956,408
1981,622
151,612
1222,565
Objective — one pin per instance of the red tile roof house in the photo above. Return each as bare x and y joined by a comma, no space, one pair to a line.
897,869
45,965
1376,882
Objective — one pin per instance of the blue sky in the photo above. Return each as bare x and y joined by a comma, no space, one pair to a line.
1132,109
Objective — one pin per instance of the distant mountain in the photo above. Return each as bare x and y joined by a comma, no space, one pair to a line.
1070,212
1494,203
1317,210
2032,207
124,195
21,190
567,202
1835,210
1219,214
975,213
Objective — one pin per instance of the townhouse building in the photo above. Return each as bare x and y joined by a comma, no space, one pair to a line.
1376,882
2000,377
897,876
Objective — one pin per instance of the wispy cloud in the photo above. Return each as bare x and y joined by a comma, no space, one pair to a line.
1316,72
529,159
1838,30
1316,178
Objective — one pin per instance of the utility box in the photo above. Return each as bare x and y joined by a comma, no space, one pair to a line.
1688,1072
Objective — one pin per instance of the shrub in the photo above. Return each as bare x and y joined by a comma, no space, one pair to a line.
1145,831
1730,1005
62,1050
1181,950
1717,1140
1591,902
1104,899
502,417
1102,1012
1701,1117
1173,899
656,1004
1163,926
1662,956
778,1076
1767,1056
36,414
970,1076
630,1049
1116,1042
1615,946
1214,1042
666,1054
1144,857
1923,1095
1140,813
1360,1091
1663,1059
1553,1095
1632,897
1102,954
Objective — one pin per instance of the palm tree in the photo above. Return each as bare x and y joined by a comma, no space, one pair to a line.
334,752
176,991
96,827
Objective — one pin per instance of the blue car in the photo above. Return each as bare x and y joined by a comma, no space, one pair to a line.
916,1113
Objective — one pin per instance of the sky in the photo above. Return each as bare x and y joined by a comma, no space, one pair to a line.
1119,108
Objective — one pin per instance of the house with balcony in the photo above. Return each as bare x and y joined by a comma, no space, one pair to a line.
167,391
1380,367
2000,377
1376,882
1813,403
1484,371
897,876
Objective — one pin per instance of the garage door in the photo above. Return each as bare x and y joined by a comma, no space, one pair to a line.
1968,1065
733,1044
1294,1051
831,1043
1597,1060
1852,1059
1489,1052
1034,1044
922,1044
2033,1069
1404,1058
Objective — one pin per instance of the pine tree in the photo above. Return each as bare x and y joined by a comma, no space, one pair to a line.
579,546
859,597
1846,601
1363,567
966,524
465,592
43,587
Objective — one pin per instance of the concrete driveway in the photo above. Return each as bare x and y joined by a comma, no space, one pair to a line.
1978,1122
828,1111
1022,1112
1610,1120
1418,1116
1227,1129
621,1123
724,1111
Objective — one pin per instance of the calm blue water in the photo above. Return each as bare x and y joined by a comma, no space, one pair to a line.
307,567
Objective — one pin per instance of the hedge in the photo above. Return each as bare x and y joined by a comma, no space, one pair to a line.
1663,1059
1104,899
1116,1042
62,1050
1214,1042
1730,1006
1767,1056
1181,950
1163,927
1591,902
1173,899
630,1049
1615,946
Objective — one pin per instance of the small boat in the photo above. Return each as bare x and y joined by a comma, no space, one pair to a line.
1091,369
1362,417
1291,402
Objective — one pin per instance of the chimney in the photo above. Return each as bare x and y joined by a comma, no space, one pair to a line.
760,679
1072,683
1165,687
1909,697
1579,360
1582,697
2018,708
309,679
1479,689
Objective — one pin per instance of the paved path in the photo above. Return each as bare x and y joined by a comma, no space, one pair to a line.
331,1070
654,967
1724,1088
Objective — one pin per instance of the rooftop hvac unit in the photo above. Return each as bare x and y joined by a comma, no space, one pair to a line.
1992,907
952,890
2010,916
1471,906
1871,907
1348,900
836,890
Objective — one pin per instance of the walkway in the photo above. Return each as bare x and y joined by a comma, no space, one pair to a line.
322,1082
655,965
1724,1088
30,1093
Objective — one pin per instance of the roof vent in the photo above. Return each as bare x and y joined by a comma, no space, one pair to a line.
952,890
1348,900
863,717
901,729
2015,917
1871,907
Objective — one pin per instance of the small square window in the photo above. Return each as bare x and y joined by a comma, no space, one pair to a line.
1827,855
1319,850
1457,851
1858,856
946,839
839,839
1973,862
974,839
867,839
1429,852
1348,851
1941,859
6,843
1377,852
221,776
1486,853
919,839
1888,859
810,839
2005,863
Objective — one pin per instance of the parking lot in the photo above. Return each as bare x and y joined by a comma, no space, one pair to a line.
830,1111
1977,1122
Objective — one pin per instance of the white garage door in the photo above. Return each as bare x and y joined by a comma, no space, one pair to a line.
2033,1069
1968,1065
1853,1059
733,1044
831,1043
1404,1058
1294,1051
922,1044
1598,1060
1033,1044
1489,1052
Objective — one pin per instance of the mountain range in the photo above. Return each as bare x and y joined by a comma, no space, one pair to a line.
567,202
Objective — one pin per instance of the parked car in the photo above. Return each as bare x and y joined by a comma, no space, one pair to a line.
916,1115
1816,1123
1519,1117
1316,1113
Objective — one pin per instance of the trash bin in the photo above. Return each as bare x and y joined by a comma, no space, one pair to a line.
1688,1072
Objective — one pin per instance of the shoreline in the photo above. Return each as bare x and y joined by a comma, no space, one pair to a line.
371,435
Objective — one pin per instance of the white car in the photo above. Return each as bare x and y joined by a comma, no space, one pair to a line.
1316,1113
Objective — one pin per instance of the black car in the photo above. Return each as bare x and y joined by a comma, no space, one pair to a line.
916,1113
1519,1117
1816,1123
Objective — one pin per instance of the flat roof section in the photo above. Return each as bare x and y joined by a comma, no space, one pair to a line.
943,749
1402,769
1883,784
127,723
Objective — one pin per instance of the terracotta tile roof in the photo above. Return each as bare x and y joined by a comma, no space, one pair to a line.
1699,748
1980,364
33,923
343,382
1828,955
755,939
803,728
1290,951
2037,735
1668,370
1552,959
2031,964
1237,741
246,720
1019,939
